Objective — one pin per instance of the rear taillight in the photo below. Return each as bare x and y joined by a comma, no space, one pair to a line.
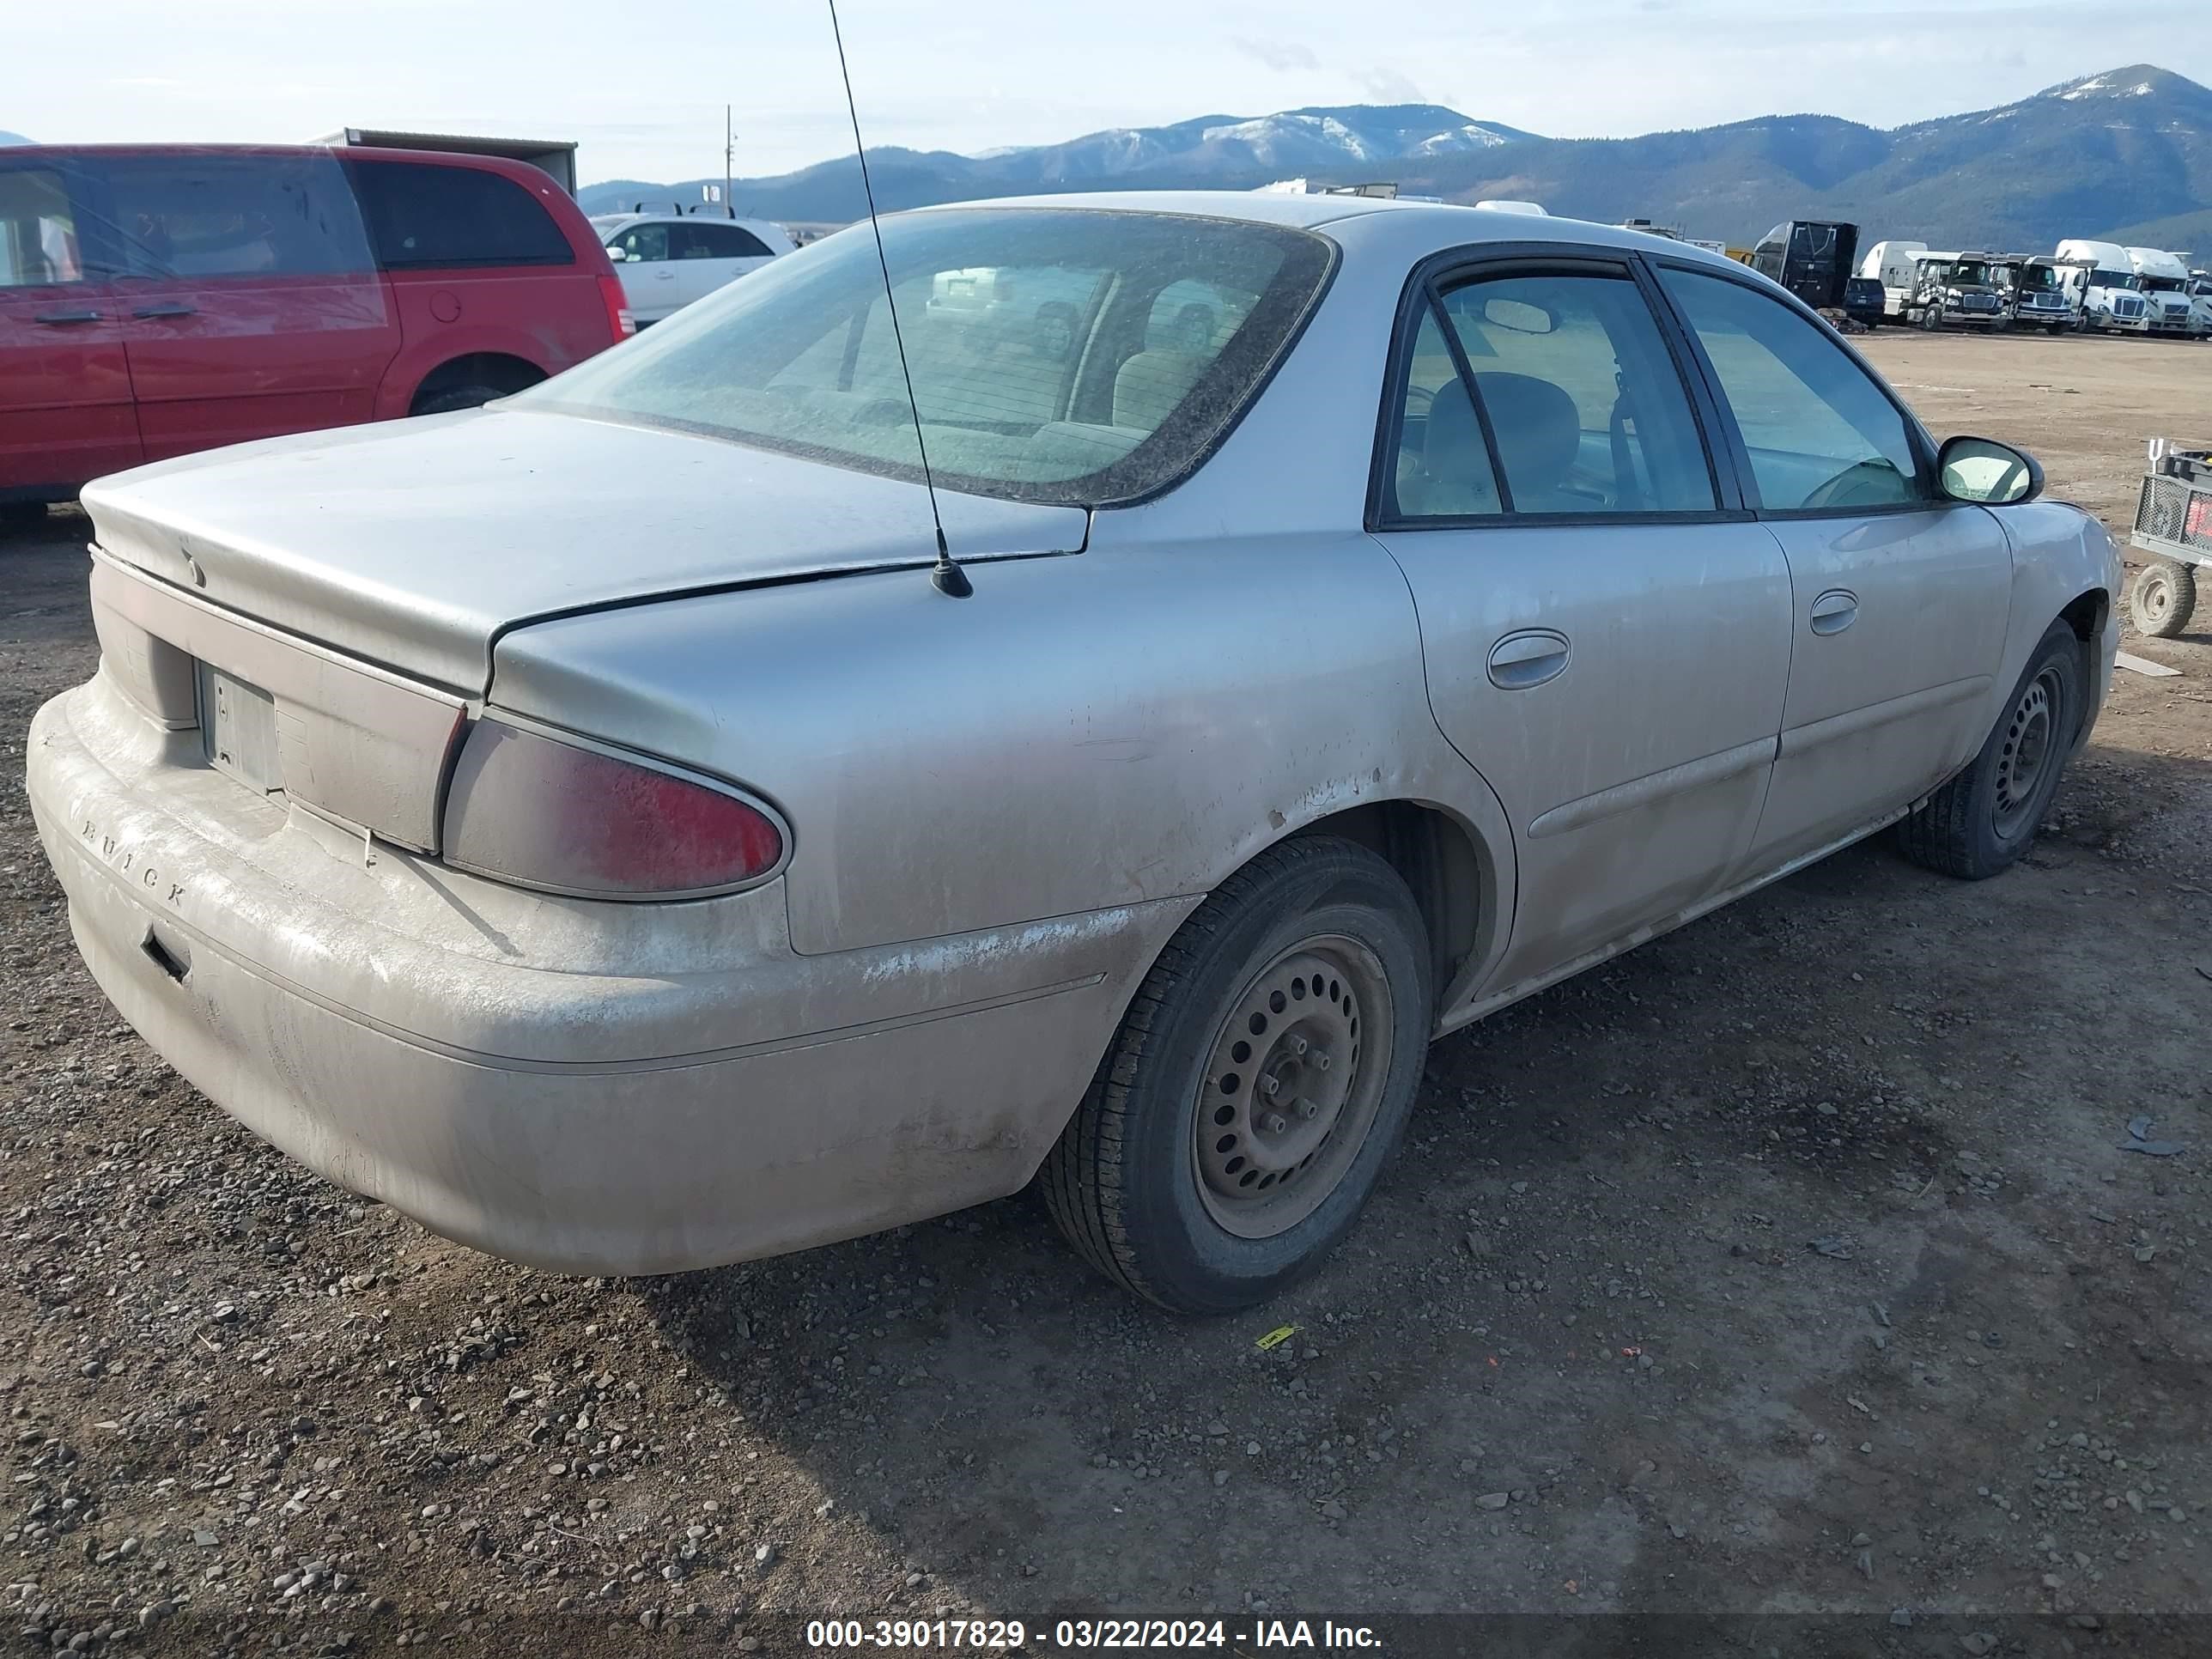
540,812
617,302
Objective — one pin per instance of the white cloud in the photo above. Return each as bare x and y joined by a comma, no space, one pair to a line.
1277,54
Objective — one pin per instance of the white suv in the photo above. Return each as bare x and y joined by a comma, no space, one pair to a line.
666,260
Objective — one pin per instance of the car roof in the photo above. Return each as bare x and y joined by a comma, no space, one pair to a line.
626,217
1452,223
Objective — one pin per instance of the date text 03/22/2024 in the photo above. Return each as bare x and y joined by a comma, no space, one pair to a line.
1011,1635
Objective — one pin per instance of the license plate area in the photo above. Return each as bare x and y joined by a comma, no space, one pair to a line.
238,728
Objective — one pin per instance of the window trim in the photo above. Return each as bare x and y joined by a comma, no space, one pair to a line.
355,167
1198,456
1917,434
94,233
632,230
1457,267
98,179
735,229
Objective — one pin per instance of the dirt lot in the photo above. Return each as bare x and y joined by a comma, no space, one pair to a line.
1584,1356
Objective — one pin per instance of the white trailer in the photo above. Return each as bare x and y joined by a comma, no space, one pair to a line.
1895,266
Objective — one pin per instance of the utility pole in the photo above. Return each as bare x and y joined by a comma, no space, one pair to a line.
729,151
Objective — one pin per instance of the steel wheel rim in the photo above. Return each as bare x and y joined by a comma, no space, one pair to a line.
2153,595
1294,1079
2024,757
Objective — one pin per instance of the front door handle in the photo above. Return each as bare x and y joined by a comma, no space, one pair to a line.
167,308
1529,657
1835,611
57,318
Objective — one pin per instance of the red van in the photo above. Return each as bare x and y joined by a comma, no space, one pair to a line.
155,300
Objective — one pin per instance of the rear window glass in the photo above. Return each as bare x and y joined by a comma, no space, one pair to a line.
236,216
1080,357
421,215
38,230
696,241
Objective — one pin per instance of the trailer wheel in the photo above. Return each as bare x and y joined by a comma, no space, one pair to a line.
2165,595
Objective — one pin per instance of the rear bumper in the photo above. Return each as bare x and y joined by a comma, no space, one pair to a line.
538,1085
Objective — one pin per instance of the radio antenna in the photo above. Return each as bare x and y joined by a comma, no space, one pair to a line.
947,577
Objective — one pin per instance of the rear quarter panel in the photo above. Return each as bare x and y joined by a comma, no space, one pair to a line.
550,317
1087,731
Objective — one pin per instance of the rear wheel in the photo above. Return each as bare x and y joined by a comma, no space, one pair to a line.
1255,1089
1985,818
2164,599
456,397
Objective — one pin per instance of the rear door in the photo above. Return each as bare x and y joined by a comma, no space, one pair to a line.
478,262
1900,597
65,413
250,305
1605,632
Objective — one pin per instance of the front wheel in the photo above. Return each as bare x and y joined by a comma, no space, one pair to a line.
1256,1088
2164,597
1985,818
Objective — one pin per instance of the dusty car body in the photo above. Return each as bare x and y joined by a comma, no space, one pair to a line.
1310,664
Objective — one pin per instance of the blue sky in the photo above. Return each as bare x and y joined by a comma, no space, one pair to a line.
641,84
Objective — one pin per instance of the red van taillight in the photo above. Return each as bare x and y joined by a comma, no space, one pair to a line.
618,316
542,814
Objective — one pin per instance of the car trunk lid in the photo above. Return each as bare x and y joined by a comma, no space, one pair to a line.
414,546
321,610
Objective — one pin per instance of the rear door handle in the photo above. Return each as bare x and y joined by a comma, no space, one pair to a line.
56,319
1835,611
167,308
1526,659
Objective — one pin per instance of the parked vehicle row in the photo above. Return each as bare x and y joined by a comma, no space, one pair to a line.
2101,287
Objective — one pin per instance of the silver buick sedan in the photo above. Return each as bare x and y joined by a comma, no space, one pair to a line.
584,825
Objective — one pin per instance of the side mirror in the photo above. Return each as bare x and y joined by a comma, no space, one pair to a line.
618,255
1987,472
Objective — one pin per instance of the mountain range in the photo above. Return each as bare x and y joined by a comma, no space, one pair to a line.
2126,155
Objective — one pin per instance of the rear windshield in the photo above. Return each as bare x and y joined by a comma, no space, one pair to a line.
1080,357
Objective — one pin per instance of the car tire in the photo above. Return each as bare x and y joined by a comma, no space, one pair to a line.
1215,1158
2163,599
457,397
1982,820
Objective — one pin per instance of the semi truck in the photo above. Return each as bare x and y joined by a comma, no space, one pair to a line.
1956,289
1811,258
2112,299
2044,294
2164,282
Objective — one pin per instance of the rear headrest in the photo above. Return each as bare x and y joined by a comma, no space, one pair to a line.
1148,386
1453,449
1538,429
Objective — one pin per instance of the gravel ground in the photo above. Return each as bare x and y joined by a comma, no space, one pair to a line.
1789,1265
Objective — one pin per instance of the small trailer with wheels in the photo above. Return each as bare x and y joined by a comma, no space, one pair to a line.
2173,524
